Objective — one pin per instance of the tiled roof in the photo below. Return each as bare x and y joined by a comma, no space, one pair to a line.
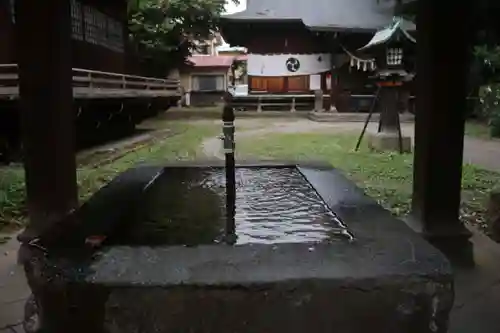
361,15
211,61
386,34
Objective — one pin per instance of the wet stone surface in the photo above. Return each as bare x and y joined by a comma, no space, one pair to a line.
273,205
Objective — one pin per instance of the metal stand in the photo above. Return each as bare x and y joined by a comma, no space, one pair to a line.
367,121
400,136
372,108
228,132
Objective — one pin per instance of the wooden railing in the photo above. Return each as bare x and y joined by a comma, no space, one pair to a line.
90,83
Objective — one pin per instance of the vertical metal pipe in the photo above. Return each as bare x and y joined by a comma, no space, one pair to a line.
228,131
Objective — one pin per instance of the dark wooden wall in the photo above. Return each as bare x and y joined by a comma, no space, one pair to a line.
6,34
278,41
355,81
84,55
96,57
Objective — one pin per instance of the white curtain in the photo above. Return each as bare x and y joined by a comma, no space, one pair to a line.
276,64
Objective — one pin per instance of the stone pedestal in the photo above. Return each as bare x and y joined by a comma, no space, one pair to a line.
388,137
318,101
389,141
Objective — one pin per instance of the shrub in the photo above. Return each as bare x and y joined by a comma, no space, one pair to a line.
490,107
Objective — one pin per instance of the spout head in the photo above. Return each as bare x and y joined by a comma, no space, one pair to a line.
227,114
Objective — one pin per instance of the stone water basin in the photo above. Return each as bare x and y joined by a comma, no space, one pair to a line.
313,253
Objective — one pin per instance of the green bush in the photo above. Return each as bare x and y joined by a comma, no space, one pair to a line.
490,102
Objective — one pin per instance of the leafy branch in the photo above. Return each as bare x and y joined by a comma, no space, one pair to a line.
165,30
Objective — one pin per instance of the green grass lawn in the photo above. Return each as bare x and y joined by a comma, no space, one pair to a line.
385,176
182,146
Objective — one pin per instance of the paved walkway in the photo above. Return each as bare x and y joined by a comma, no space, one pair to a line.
478,290
13,289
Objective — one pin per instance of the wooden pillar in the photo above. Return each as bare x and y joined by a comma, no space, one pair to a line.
439,129
47,120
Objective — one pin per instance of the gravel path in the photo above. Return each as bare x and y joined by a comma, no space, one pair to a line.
483,153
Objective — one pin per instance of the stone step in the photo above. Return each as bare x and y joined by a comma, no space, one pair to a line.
353,117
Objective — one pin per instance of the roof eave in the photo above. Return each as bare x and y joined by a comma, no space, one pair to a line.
313,28
341,29
257,20
211,67
374,42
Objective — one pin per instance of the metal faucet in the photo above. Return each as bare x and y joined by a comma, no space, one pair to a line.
228,145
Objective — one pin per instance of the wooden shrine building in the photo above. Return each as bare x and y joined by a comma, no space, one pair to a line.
108,88
298,47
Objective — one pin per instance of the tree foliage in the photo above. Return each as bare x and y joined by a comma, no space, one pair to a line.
163,31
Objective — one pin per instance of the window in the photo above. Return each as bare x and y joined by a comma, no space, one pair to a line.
395,56
203,49
115,35
91,29
102,30
208,83
76,20
100,22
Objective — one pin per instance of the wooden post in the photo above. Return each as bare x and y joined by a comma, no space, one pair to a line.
439,129
45,85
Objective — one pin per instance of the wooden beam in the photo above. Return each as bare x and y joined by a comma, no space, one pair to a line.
439,129
47,120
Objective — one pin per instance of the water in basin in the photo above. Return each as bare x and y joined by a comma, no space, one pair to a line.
273,205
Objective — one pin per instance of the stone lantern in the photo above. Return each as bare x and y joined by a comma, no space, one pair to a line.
391,48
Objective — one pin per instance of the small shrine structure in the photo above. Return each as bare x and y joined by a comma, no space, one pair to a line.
303,47
393,49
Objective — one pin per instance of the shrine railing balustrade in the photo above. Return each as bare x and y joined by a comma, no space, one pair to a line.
97,84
